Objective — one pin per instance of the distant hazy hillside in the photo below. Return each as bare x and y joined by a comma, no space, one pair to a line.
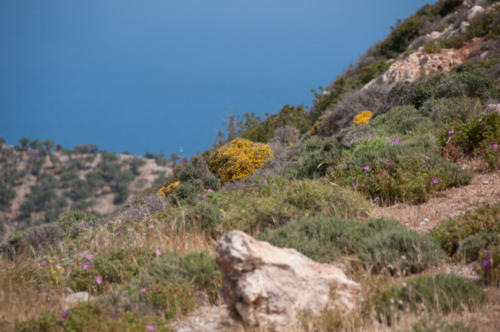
37,184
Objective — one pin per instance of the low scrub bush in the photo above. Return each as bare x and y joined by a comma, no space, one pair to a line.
380,244
278,201
313,159
403,120
449,233
427,293
115,266
91,317
404,171
401,36
74,221
464,81
401,251
478,136
168,286
36,237
206,216
437,324
189,180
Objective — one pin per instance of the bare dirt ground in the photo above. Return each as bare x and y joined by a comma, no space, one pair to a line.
444,205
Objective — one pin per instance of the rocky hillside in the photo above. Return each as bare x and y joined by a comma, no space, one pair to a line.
38,184
376,209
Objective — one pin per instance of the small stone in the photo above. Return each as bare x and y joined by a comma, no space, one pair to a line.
485,182
74,299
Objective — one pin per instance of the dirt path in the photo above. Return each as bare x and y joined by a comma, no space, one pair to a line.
445,205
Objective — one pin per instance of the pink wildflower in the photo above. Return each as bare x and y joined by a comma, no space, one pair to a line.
203,196
98,280
210,190
150,327
64,314
435,180
494,145
451,131
43,263
86,266
397,140
89,257
158,252
143,290
367,168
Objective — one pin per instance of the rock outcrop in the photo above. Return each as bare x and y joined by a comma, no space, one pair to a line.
269,287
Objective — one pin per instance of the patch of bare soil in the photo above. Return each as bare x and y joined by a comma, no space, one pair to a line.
444,205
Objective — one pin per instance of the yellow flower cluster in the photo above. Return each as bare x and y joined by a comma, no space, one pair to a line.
238,158
171,187
363,117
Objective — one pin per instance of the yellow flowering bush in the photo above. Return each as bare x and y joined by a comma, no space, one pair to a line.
171,187
238,158
363,117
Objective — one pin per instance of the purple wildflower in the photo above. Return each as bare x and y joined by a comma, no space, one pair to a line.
117,233
150,327
451,131
89,257
210,190
43,263
64,314
143,290
486,263
435,180
86,266
494,145
397,140
98,280
366,169
203,196
150,227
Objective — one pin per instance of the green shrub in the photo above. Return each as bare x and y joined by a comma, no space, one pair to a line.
474,245
399,39
403,120
400,251
477,136
392,172
91,317
277,202
168,285
195,178
489,270
439,325
324,238
202,270
368,73
449,233
464,81
76,218
438,293
449,110
379,243
314,159
206,216
117,265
